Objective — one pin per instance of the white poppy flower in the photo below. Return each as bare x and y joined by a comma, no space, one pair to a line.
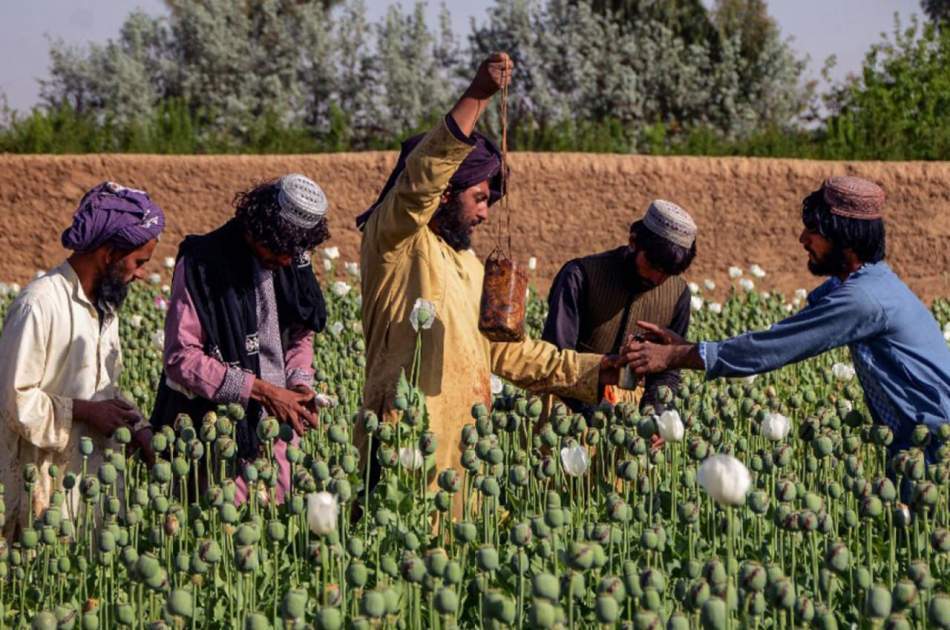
158,339
340,288
155,279
4,289
327,265
715,307
693,288
496,385
169,262
735,272
575,460
709,284
696,303
757,271
796,302
323,510
670,426
847,404
801,294
14,288
422,315
775,427
788,308
843,371
766,295
746,284
532,263
166,289
136,321
335,328
352,268
330,253
725,479
410,458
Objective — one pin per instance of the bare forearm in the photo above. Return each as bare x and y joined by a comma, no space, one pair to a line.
469,109
686,357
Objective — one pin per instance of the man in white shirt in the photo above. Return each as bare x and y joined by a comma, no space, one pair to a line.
60,351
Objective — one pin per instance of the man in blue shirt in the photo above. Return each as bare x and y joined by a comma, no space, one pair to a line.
898,350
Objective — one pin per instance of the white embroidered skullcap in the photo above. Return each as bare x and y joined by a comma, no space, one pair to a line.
668,221
301,200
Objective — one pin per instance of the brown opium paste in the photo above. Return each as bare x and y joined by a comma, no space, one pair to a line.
504,294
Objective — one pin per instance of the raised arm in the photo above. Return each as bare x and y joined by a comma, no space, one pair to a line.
418,191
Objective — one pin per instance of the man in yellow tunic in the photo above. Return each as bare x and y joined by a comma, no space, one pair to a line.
416,244
59,377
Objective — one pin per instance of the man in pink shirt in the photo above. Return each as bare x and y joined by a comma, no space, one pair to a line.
244,307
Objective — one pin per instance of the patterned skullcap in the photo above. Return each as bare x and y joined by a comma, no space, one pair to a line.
301,200
854,197
670,222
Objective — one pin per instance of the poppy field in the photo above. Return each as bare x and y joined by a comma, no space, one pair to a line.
773,502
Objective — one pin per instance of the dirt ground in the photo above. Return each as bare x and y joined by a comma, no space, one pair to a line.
563,206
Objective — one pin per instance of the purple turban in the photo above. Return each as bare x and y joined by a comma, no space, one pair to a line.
483,163
109,213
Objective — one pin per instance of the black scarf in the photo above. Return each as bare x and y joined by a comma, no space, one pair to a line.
219,277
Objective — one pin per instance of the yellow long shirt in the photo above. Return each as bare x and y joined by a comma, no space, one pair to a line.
52,351
402,259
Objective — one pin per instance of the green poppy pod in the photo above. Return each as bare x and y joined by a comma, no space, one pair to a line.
373,604
752,576
106,541
209,551
804,610
453,573
851,518
490,487
938,611
85,446
713,614
246,559
225,447
837,557
357,575
485,426
541,614
179,603
276,531
268,429
247,534
125,614
161,472
607,609
904,594
520,534
940,540
487,557
919,572
256,621
545,586
871,507
328,618
29,538
884,488
294,605
862,577
44,620
877,602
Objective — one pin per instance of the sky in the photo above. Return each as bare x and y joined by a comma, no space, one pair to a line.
818,28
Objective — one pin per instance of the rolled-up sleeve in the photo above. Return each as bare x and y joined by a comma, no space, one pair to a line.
187,364
840,317
42,419
298,357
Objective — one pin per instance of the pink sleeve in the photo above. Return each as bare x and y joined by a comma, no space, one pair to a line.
186,363
298,357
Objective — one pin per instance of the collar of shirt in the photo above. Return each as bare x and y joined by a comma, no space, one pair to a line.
78,293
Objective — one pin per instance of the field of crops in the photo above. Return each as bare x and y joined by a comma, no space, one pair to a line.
773,503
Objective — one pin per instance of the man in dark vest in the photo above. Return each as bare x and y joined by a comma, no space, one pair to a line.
244,307
596,301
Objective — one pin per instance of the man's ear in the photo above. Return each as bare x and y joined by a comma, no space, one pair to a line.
446,197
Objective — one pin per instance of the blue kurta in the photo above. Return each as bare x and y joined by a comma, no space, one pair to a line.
898,350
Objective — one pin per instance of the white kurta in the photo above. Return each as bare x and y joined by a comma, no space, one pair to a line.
52,351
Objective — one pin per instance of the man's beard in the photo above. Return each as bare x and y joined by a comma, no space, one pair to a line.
452,227
112,291
832,264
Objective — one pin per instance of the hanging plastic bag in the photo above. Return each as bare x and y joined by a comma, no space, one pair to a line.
504,299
